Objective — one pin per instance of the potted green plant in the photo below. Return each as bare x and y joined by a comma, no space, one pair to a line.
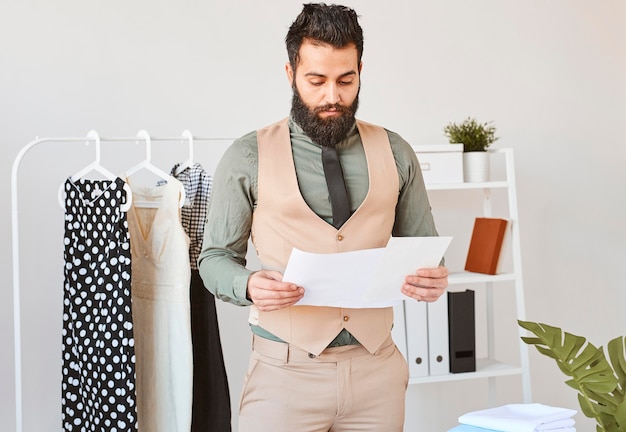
476,138
601,385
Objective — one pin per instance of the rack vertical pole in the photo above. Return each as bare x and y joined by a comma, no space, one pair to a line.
17,345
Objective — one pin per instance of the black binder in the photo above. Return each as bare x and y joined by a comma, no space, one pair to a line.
462,331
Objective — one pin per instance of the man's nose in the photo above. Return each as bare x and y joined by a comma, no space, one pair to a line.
332,94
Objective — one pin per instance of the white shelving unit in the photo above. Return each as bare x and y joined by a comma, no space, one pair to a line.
490,367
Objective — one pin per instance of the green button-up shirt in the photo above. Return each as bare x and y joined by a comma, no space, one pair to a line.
234,197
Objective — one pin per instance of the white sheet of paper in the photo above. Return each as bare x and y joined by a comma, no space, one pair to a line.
364,278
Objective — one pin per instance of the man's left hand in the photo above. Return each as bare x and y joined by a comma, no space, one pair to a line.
427,284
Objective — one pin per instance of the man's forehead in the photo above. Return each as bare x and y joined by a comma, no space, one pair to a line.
322,55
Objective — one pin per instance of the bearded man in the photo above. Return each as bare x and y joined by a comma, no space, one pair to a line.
320,181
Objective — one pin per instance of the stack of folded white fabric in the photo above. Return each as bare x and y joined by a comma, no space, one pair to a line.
532,417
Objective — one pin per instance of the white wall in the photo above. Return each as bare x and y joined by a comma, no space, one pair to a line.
551,75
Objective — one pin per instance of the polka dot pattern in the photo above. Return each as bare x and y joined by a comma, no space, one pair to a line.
98,386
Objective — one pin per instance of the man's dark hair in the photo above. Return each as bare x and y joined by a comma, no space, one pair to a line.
335,25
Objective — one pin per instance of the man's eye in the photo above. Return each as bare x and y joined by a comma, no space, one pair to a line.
345,83
316,83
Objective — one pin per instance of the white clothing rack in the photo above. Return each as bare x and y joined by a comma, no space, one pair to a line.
91,137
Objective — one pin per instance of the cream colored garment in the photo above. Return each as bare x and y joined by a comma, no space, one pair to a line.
283,220
161,317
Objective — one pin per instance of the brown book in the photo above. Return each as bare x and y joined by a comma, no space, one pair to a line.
485,245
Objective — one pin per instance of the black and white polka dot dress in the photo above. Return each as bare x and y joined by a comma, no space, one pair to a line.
98,384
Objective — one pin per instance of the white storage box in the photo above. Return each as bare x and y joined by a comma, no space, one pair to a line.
441,163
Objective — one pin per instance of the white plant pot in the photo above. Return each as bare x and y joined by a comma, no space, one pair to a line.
475,167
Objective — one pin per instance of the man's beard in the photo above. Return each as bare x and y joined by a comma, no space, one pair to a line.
323,131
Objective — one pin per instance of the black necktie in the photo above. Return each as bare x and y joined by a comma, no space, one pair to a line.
336,186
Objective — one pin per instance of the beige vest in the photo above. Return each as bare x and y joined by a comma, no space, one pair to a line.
282,220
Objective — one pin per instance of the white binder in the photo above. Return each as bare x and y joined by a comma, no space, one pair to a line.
416,337
438,349
398,331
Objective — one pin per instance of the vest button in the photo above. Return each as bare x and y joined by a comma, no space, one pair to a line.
339,237
311,355
346,318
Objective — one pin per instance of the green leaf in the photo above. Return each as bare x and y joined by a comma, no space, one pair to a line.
600,393
615,348
585,406
620,416
586,357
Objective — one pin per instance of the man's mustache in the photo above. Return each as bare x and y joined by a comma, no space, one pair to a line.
337,107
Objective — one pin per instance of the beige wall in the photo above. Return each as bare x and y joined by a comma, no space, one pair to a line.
551,75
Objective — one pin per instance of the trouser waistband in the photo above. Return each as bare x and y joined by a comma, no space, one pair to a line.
289,353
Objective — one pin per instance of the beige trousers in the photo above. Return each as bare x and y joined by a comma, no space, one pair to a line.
345,388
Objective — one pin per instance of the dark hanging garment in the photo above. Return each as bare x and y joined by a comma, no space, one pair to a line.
98,375
211,396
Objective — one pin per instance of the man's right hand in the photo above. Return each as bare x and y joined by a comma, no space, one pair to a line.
268,292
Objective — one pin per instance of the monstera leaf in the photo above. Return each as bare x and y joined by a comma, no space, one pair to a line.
600,384
616,349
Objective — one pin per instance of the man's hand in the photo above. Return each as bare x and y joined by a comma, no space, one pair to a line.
427,284
268,292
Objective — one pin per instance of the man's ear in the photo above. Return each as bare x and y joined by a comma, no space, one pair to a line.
289,71
360,67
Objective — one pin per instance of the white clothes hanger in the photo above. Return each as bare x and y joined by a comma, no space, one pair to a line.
189,162
96,166
148,165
